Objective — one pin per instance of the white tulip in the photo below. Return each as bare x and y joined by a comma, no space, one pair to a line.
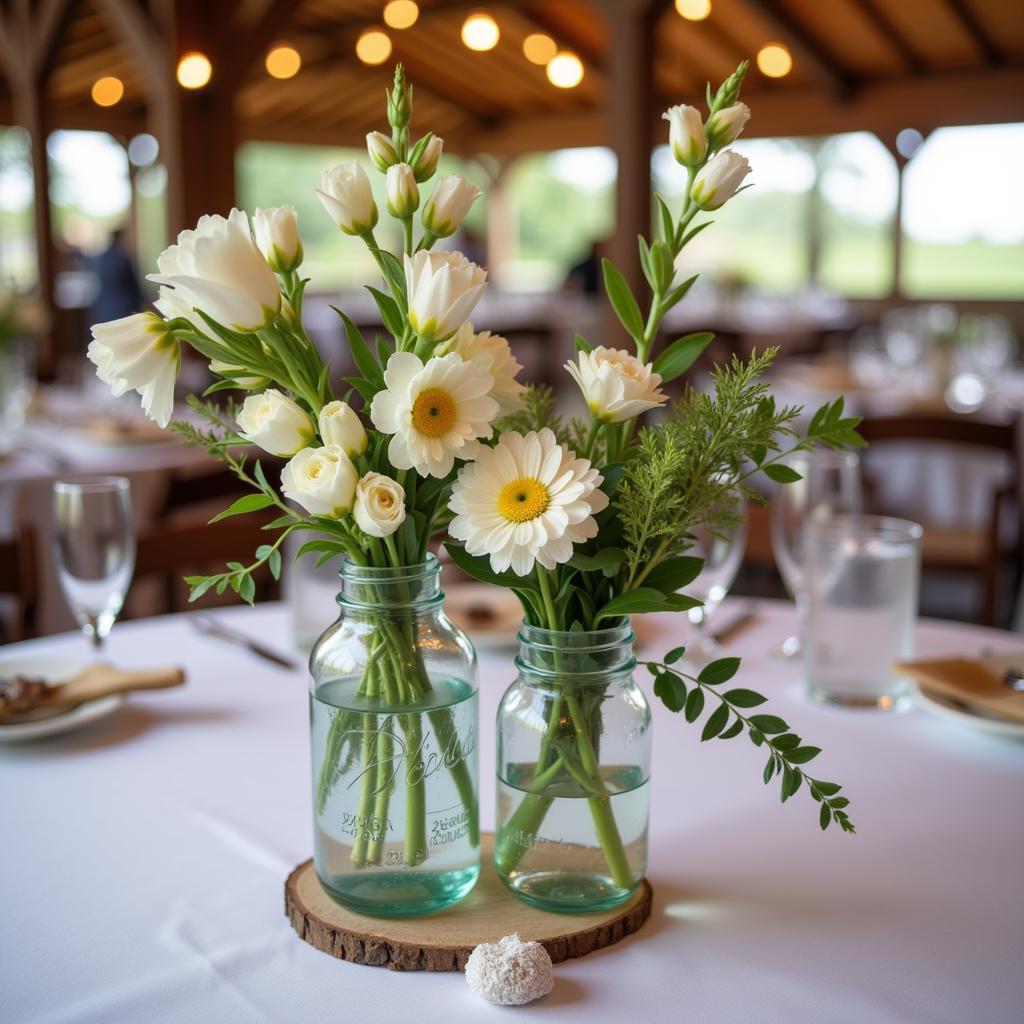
382,150
403,197
138,353
339,425
346,195
616,385
274,422
218,269
380,505
718,180
446,209
443,289
321,480
426,162
686,134
725,125
277,235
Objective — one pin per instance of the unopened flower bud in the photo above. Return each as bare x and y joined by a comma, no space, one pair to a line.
686,134
724,126
425,164
382,150
719,179
402,195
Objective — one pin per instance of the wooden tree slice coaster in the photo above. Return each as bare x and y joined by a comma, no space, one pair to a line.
443,941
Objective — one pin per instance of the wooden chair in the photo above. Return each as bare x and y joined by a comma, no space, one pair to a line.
18,581
977,552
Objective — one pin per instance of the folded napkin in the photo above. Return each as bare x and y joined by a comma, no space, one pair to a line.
979,683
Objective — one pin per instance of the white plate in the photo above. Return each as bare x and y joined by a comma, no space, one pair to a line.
943,707
53,670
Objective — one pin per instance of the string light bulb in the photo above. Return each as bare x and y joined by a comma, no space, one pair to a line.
283,61
194,70
774,60
565,70
401,14
480,32
107,91
373,46
693,10
539,48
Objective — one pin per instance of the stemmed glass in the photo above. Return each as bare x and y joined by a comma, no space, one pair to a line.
830,485
94,543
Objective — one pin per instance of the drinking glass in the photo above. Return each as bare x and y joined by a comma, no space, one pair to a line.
94,543
862,583
830,485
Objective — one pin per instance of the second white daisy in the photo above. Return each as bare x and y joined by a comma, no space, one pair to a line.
529,499
435,411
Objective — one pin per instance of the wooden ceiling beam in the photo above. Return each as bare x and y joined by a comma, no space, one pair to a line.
141,38
875,14
589,53
256,36
973,28
49,20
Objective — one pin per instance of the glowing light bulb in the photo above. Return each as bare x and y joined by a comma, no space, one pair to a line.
401,13
565,70
480,32
694,10
539,48
107,91
774,60
194,70
373,46
283,61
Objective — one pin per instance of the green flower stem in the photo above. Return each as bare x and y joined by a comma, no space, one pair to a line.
520,831
368,786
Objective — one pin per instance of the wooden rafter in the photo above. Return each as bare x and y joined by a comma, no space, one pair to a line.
257,35
973,28
877,15
140,37
555,28
50,20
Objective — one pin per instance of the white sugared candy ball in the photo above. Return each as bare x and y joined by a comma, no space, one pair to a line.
510,972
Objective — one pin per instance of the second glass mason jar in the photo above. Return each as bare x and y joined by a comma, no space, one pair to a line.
573,763
393,718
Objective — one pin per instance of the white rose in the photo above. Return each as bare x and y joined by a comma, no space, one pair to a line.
443,289
218,268
277,235
686,134
275,423
380,505
726,124
138,353
616,385
493,353
321,480
403,197
339,425
718,180
346,195
426,162
446,209
382,150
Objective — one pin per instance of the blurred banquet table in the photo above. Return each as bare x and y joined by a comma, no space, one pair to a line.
144,860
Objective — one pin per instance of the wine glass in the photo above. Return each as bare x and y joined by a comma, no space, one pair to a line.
722,552
830,485
94,543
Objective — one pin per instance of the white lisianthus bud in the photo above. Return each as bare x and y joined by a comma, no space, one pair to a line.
447,207
321,480
382,150
443,289
725,125
686,134
380,505
277,235
616,385
339,425
275,423
218,268
717,181
403,197
138,353
346,195
426,162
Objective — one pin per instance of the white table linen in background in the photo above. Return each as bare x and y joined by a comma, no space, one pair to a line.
143,861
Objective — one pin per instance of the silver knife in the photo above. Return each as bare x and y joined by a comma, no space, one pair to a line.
745,615
211,627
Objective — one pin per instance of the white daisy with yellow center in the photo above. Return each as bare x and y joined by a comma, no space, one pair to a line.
435,411
529,499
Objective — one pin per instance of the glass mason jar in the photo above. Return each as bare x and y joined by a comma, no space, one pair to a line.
573,762
393,718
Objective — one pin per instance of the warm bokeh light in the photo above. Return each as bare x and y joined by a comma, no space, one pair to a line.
694,10
539,48
107,91
194,70
401,13
774,60
480,32
373,46
565,70
283,61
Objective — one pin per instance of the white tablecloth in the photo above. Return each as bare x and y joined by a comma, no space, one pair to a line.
143,862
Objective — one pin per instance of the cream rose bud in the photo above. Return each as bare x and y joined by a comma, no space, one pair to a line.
725,125
717,181
321,480
446,209
403,197
616,385
275,423
382,150
443,289
380,505
426,163
686,134
339,425
277,235
346,195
